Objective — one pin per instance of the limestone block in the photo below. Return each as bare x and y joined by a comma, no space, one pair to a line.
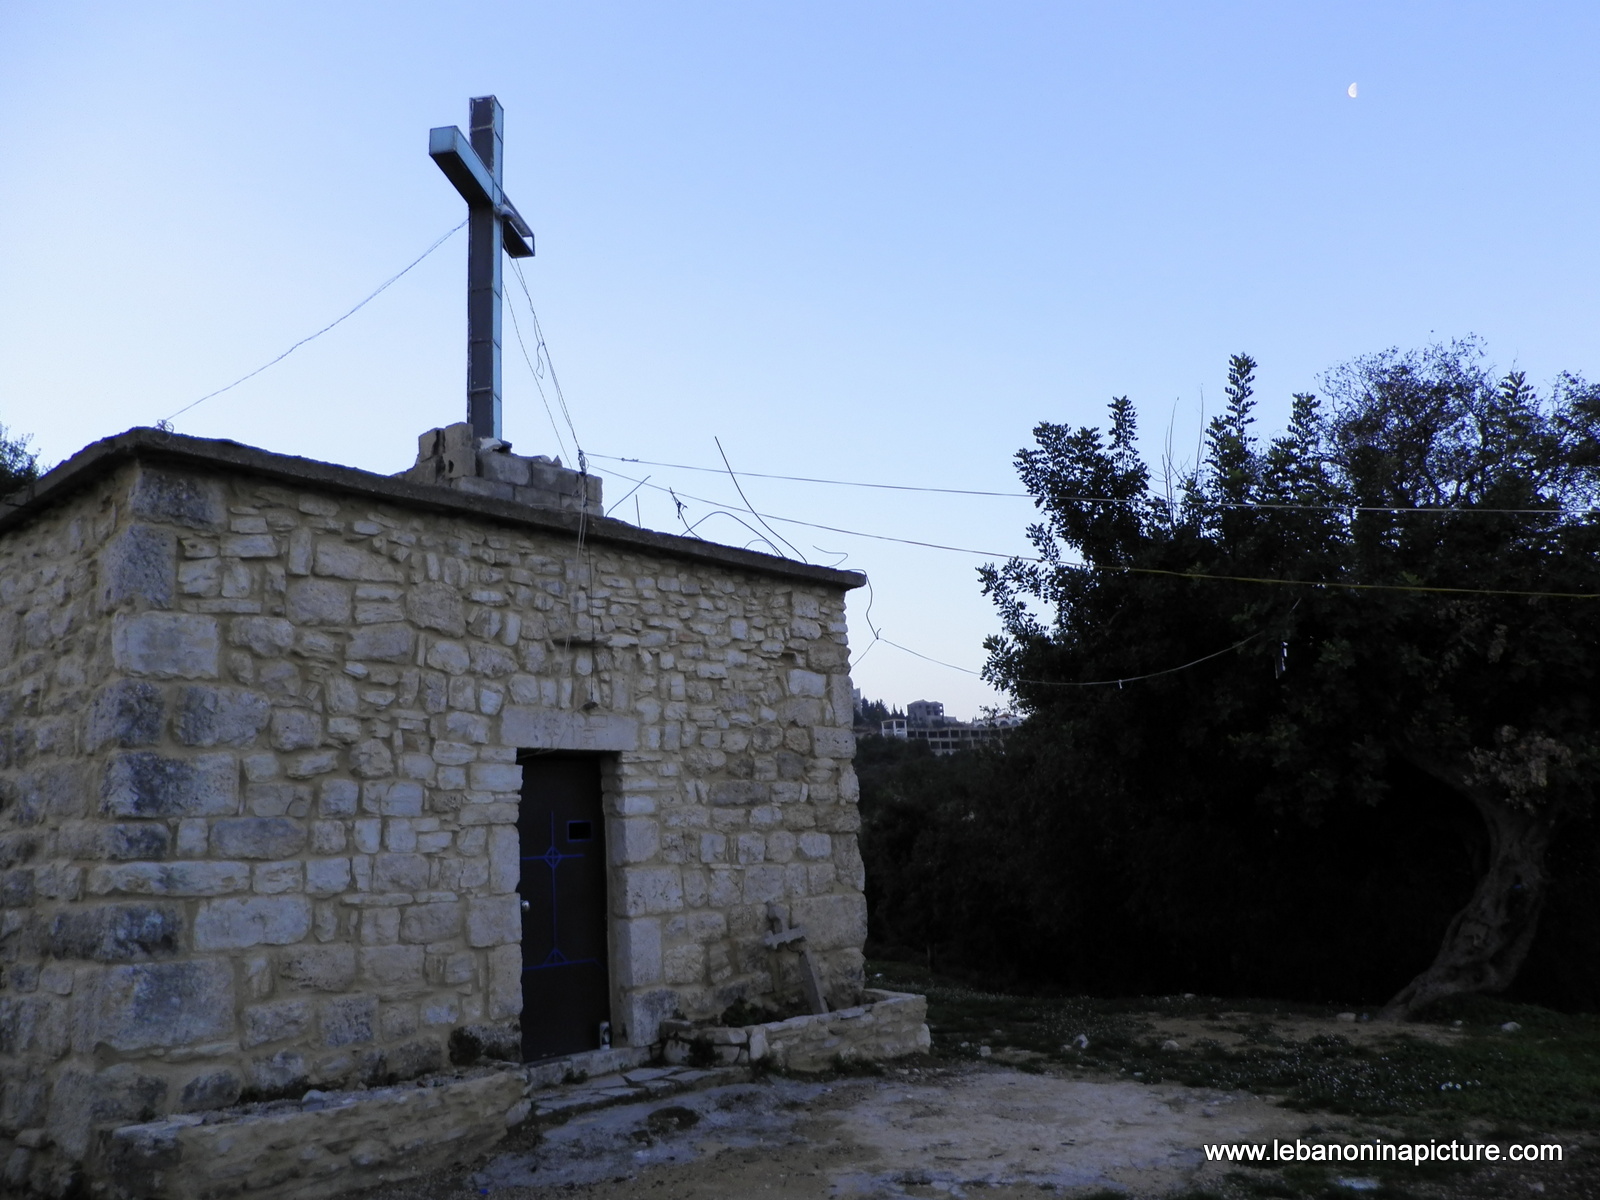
504,849
219,716
638,952
80,1101
327,876
348,1020
399,873
143,1005
296,729
139,566
211,1090
116,932
496,777
645,1010
312,764
167,497
372,759
137,840
837,921
126,713
166,645
257,837
329,968
649,890
341,560
400,799
437,606
281,1074
430,922
382,643
555,729
270,637
729,792
319,602
491,661
815,846
143,784
807,683
392,966
765,882
684,964
833,743
450,657
169,879
337,797
275,878
278,799
505,982
358,1140
634,840
274,1022
235,923
494,920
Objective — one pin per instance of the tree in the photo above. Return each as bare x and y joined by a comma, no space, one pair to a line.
1383,597
18,464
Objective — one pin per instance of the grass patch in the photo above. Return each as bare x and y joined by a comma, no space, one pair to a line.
1496,1084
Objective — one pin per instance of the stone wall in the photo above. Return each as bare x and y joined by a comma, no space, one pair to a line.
258,780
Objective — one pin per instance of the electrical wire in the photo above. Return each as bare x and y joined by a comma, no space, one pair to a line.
1434,510
534,371
1319,583
166,422
543,352
1077,682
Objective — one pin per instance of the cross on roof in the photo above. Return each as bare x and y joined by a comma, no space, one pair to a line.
494,224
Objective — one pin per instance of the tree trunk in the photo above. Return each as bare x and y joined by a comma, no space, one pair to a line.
1487,941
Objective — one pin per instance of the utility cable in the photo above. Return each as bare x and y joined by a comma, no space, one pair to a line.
1432,510
543,352
1075,682
166,422
534,371
1321,583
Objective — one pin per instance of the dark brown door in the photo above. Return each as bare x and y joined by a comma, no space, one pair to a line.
566,987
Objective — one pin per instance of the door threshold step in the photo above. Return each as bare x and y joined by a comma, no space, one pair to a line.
567,1100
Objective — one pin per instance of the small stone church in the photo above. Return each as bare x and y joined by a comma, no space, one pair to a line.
314,779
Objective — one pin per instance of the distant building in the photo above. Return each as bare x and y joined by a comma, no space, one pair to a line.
925,721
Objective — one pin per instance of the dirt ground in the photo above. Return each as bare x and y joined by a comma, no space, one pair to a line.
984,1129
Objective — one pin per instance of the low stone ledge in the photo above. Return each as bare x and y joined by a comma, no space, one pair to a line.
322,1145
885,1025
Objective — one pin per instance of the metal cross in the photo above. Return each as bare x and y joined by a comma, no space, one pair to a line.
494,224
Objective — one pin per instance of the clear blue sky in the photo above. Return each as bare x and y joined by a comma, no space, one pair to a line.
862,240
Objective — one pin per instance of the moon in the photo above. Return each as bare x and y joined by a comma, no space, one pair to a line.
1351,91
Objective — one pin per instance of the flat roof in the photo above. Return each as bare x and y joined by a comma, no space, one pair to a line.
218,455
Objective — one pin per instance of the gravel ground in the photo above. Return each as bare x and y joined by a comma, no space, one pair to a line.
965,1130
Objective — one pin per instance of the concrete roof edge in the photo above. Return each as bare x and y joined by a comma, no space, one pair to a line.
98,458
